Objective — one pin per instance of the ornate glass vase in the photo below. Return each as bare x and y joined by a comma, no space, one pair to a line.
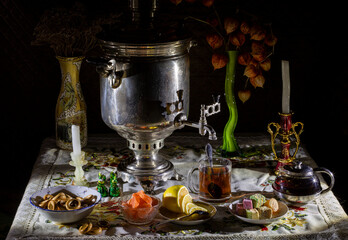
230,146
71,106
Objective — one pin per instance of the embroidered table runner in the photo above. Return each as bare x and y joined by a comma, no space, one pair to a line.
321,219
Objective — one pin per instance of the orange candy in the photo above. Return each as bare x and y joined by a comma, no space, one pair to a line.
139,205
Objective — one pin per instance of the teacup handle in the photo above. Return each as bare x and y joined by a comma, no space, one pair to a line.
328,172
193,188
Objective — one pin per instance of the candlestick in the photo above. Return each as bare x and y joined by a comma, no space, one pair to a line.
286,87
77,157
75,130
285,129
78,160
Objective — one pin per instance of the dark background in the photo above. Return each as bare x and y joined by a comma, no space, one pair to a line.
311,36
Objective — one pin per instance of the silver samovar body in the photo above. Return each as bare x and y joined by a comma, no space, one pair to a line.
144,94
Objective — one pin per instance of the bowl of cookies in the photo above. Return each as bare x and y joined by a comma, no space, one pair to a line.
65,204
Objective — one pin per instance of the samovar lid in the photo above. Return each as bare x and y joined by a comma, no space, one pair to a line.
144,33
161,49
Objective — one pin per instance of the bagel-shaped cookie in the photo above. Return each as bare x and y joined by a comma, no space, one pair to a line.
95,231
90,199
68,196
85,228
44,203
59,195
47,197
51,205
72,204
79,198
61,202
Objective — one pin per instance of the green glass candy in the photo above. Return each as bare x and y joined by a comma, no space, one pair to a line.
114,190
102,189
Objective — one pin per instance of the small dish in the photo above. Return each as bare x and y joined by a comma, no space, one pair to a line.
283,209
65,216
165,213
142,215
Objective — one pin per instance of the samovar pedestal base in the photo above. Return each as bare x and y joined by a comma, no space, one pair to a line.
146,168
148,178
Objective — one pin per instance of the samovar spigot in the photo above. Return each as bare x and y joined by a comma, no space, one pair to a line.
202,125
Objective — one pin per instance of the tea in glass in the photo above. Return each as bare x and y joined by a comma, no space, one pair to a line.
214,182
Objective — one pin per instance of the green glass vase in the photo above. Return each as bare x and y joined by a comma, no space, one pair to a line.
230,146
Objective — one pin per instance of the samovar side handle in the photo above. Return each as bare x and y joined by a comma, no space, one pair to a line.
107,68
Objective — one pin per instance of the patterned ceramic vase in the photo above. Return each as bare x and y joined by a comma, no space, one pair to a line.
71,106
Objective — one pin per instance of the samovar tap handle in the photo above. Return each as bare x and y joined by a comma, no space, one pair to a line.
202,125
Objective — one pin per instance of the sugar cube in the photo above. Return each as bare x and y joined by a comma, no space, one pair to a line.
247,203
252,213
265,212
240,209
258,200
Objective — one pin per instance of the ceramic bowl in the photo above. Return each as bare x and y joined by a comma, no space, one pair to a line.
139,216
65,216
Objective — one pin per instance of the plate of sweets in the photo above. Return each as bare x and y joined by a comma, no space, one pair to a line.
258,209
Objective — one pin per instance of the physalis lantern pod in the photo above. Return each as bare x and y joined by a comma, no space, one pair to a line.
237,38
257,33
266,64
244,58
219,60
258,81
244,27
214,40
208,3
270,40
244,95
230,24
251,71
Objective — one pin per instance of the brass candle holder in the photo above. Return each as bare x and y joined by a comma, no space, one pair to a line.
285,129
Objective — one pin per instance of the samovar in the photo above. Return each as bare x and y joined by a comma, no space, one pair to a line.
145,90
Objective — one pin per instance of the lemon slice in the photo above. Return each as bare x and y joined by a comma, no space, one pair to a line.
191,207
186,199
188,207
182,193
173,196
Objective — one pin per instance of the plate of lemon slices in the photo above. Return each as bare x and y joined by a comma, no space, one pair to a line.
177,202
194,219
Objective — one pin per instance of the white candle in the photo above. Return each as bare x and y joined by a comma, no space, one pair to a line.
286,87
76,139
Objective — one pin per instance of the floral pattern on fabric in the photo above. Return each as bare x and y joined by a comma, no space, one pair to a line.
104,155
106,211
60,178
294,218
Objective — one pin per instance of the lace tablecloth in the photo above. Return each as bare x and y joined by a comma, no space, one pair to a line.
323,218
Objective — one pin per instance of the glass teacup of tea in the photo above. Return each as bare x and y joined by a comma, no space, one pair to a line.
214,180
